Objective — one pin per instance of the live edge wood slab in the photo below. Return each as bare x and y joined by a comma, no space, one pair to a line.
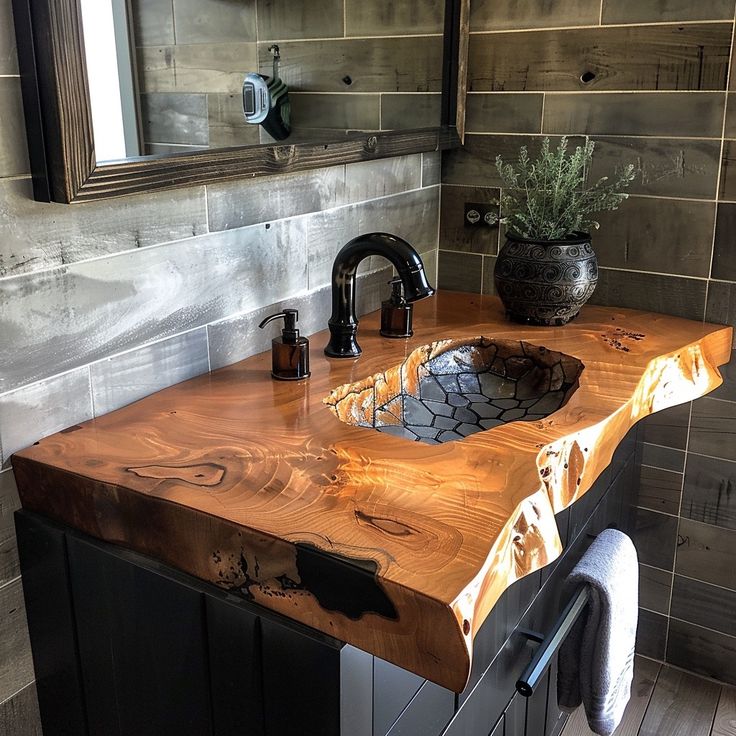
400,548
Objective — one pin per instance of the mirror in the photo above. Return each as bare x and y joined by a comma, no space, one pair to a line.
137,95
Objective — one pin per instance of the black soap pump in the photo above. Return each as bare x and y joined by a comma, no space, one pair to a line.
396,312
289,353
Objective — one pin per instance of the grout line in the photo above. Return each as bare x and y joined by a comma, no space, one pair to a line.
703,582
589,26
286,41
599,136
207,340
541,115
677,531
17,692
705,628
91,392
600,14
655,273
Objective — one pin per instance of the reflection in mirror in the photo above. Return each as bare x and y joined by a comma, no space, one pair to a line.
166,76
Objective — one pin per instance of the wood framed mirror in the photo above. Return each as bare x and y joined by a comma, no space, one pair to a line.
65,164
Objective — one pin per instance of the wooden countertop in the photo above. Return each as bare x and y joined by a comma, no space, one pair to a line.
400,548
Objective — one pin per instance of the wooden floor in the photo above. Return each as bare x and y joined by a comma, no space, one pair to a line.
668,702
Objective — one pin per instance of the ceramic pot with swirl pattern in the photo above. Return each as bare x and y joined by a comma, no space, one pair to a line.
545,282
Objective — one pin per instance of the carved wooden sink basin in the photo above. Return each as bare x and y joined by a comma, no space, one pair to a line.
451,389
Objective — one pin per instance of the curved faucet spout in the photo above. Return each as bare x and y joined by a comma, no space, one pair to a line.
343,323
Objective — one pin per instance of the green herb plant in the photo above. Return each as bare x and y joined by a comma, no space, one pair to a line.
550,197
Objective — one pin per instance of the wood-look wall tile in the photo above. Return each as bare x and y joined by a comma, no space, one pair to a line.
19,714
655,587
730,127
727,189
227,127
655,538
724,248
646,233
77,314
675,114
700,650
382,177
651,634
237,338
412,64
8,54
665,458
455,232
703,604
658,57
660,490
202,68
667,427
662,11
13,148
123,379
665,167
713,428
500,112
413,216
475,163
153,22
245,202
282,19
492,15
410,111
488,286
172,117
336,110
38,236
379,18
721,307
681,297
727,390
709,493
431,168
9,503
214,22
43,408
460,271
16,667
705,553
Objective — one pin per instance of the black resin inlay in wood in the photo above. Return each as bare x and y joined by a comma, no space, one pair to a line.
449,390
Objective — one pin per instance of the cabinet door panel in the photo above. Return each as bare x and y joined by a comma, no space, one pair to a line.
141,647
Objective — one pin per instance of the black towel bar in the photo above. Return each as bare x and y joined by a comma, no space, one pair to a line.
552,642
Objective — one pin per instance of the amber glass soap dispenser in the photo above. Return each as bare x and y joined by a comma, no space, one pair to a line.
396,312
289,353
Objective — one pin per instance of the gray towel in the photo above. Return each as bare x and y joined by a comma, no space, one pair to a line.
596,663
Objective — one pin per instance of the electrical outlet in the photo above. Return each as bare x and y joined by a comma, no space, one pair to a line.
480,214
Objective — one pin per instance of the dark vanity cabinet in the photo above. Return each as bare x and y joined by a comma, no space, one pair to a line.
125,646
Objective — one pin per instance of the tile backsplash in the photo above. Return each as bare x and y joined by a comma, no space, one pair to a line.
661,95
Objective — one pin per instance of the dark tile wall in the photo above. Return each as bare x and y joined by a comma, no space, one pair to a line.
104,303
663,96
349,64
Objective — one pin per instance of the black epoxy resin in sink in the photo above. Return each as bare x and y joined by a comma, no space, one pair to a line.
451,389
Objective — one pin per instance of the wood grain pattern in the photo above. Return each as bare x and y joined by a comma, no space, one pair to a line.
19,715
682,705
725,720
317,520
16,667
666,57
645,675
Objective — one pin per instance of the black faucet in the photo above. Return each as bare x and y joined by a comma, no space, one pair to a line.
343,322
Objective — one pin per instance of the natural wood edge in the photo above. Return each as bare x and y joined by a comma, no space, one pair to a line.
567,469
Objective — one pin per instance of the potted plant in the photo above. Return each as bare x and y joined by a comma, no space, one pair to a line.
547,268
